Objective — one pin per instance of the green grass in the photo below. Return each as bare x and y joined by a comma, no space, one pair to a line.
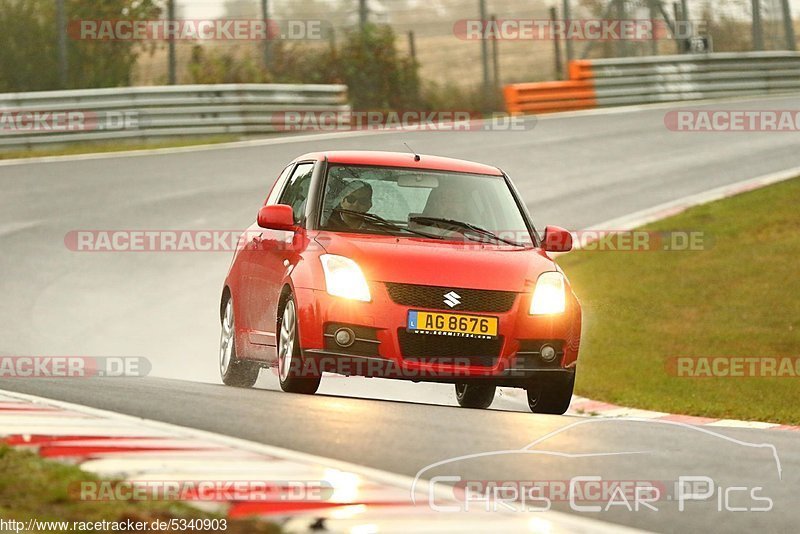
116,146
31,487
740,297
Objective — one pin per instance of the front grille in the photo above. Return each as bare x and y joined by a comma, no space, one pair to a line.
430,348
433,297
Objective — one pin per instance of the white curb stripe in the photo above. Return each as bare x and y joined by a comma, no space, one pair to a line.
349,481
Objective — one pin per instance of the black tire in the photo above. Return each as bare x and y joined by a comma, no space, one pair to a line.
475,395
234,372
293,376
551,394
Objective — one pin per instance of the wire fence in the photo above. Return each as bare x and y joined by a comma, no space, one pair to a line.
428,30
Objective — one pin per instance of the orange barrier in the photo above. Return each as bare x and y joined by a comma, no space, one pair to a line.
541,97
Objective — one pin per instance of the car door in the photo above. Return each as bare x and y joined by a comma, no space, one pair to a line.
242,270
271,251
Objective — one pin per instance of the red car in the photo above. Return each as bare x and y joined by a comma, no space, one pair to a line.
397,265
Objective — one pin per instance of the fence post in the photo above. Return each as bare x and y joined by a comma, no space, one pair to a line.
570,53
63,59
788,25
495,61
758,36
556,44
484,56
171,18
265,16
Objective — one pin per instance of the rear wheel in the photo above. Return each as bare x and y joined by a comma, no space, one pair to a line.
293,378
475,395
551,394
234,372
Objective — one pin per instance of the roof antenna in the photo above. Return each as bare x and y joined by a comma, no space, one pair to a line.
416,156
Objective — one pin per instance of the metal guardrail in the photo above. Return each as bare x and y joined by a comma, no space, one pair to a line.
643,80
58,117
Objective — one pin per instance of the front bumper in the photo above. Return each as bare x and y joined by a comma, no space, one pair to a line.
381,323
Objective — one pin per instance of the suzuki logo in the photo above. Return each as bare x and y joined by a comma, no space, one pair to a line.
452,299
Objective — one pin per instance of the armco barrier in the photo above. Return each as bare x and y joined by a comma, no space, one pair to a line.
158,112
642,80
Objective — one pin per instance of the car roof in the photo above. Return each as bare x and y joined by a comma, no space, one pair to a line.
402,159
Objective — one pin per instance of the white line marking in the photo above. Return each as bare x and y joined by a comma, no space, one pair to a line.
674,207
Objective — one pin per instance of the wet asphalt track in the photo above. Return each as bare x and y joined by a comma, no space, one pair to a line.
572,171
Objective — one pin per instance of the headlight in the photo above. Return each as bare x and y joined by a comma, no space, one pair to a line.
550,295
343,278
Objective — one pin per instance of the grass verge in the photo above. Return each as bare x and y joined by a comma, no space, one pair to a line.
738,297
115,146
34,488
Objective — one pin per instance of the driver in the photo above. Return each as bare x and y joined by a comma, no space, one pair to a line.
356,196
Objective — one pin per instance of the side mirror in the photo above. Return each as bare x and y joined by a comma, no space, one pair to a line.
276,217
556,239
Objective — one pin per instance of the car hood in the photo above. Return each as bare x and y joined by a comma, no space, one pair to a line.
439,263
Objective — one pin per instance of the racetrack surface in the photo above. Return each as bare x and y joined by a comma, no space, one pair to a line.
573,171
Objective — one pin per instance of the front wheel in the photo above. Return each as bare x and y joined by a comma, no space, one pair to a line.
551,394
234,372
293,378
475,395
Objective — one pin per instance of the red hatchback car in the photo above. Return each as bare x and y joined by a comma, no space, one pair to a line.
397,265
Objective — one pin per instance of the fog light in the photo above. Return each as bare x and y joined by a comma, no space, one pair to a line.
344,337
548,353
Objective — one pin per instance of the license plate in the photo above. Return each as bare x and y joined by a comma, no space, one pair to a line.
452,324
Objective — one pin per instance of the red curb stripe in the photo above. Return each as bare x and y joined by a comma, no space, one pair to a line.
595,406
245,509
51,451
20,439
689,419
18,406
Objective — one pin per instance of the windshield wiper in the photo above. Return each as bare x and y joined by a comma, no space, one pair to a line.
431,221
377,220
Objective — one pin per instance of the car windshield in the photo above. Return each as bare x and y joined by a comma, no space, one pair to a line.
434,204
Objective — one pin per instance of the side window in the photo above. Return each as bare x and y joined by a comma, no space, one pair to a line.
296,191
278,186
